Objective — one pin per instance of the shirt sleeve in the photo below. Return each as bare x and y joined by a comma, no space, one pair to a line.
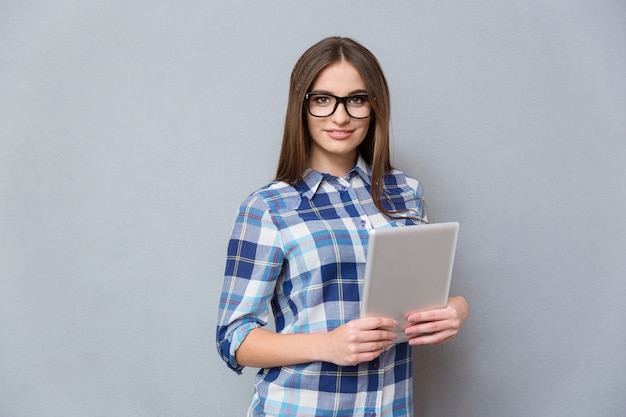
253,264
418,193
421,203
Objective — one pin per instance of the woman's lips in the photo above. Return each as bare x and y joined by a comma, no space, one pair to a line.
339,134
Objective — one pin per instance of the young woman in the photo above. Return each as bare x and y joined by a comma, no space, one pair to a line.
299,244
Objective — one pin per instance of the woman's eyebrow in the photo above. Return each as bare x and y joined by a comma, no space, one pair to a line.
352,93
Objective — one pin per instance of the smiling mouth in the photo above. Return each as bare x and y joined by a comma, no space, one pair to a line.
339,134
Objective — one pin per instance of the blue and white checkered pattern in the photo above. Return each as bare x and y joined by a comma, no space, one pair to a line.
302,250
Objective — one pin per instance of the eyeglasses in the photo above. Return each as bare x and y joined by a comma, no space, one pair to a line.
357,106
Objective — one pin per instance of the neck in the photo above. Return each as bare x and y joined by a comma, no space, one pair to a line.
337,165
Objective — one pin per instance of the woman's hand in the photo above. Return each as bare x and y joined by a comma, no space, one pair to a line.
359,340
433,327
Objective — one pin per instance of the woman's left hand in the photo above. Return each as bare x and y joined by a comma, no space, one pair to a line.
432,327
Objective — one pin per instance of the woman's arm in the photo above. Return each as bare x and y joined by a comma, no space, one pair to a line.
357,341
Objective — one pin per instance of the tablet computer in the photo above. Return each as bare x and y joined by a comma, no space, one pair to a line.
408,269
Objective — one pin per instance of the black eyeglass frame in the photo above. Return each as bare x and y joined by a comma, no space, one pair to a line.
338,100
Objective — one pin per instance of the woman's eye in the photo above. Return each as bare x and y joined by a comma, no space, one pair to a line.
357,100
322,100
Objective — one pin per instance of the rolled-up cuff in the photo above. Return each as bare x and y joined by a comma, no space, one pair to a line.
236,339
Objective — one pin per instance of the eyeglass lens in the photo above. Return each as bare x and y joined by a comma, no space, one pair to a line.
323,105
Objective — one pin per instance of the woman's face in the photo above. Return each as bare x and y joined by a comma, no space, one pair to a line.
335,138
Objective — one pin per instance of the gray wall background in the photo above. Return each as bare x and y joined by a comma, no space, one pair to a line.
130,131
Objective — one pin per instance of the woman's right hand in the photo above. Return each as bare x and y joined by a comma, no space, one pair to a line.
359,340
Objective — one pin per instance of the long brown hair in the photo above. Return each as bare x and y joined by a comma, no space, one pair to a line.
296,139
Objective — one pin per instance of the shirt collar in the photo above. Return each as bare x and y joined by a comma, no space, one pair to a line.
312,179
364,170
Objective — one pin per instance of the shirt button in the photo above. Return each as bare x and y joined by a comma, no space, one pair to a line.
373,414
376,365
344,188
363,223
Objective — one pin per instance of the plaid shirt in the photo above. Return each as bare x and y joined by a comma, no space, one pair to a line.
302,249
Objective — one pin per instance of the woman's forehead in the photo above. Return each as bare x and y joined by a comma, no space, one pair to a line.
340,78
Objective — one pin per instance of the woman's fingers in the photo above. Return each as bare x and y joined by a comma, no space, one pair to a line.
360,340
438,325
